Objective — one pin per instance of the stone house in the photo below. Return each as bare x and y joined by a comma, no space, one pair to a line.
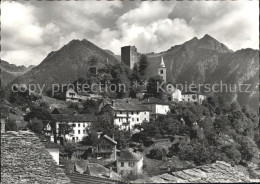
105,147
129,162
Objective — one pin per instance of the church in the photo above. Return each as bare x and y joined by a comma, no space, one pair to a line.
173,94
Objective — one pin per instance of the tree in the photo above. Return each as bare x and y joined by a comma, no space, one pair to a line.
143,64
73,105
69,148
90,107
36,125
44,105
104,124
90,138
64,129
156,86
10,125
157,153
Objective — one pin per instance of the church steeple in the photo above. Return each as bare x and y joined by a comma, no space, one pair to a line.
162,70
162,65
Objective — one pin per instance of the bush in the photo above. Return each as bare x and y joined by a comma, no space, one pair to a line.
36,125
10,125
157,153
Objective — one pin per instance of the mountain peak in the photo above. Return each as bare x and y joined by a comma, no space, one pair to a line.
208,42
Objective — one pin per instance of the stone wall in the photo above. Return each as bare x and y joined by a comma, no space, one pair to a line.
24,159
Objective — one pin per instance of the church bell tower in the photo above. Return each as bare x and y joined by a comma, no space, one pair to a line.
162,70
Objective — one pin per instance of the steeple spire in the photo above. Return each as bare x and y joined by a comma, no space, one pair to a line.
162,65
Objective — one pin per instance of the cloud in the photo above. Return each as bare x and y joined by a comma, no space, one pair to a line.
32,29
148,28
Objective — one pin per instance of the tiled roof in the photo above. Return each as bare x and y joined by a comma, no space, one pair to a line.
127,155
73,118
219,172
65,111
87,179
83,93
128,105
25,160
107,138
95,169
153,100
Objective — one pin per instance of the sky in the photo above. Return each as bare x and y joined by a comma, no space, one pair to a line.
32,29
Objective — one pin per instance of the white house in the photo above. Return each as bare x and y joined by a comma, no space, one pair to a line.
127,114
156,106
79,122
173,93
193,96
72,96
53,149
129,162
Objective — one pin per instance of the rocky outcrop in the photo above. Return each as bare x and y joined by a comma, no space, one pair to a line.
219,172
25,160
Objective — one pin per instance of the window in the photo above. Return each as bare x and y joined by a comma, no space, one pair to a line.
122,164
133,119
137,119
84,131
137,113
73,125
73,131
161,71
79,125
73,139
78,131
145,112
131,164
132,112
77,138
83,124
121,112
170,99
144,119
119,119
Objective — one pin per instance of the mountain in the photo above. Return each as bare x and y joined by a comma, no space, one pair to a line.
10,71
207,61
118,57
67,64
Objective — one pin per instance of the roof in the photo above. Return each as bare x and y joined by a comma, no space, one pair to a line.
219,172
84,178
94,169
73,118
107,138
153,100
24,159
83,93
128,105
127,155
64,111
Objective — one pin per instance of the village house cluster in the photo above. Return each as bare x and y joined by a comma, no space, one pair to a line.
126,114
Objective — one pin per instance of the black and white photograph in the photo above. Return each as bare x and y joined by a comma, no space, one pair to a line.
129,91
